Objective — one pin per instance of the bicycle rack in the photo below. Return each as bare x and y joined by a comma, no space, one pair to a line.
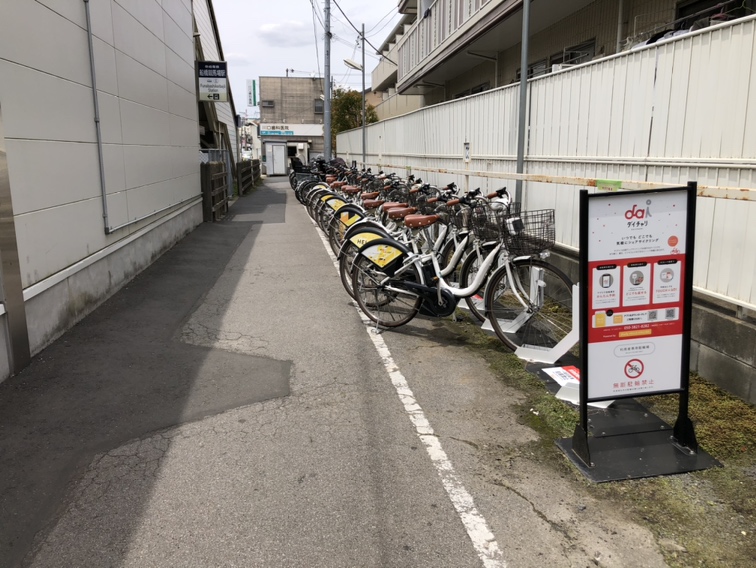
552,355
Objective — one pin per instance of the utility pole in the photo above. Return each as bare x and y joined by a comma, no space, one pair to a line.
364,114
523,98
327,84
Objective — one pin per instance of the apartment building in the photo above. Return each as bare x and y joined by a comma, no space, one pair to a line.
642,93
447,49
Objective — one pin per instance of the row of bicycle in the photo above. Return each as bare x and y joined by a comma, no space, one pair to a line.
406,248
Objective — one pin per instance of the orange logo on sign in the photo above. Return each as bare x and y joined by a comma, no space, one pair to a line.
672,241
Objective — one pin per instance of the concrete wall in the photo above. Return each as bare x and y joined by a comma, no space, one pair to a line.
144,68
294,99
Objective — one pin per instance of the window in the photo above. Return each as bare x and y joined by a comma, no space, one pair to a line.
535,69
268,104
480,88
319,105
576,54
710,11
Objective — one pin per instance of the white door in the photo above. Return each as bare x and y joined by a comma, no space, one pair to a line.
279,160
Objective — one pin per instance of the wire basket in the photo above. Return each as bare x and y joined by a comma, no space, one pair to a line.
425,208
488,219
530,232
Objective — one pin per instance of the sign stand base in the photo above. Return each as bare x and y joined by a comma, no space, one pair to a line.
632,455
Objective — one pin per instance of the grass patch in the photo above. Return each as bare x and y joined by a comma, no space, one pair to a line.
705,518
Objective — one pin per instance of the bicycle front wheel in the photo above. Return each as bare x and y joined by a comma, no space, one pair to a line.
384,303
467,275
534,309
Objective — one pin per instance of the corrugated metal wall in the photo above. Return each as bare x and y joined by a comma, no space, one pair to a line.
666,114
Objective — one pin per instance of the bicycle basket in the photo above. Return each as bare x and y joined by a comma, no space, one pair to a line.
530,232
487,219
423,207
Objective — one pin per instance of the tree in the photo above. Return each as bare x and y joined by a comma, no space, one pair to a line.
346,112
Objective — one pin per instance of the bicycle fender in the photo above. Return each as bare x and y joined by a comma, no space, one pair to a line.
333,200
361,237
386,254
350,213
365,224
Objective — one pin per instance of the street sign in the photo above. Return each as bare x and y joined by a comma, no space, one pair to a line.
212,78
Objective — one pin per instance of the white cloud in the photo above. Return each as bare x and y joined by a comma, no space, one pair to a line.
238,58
287,34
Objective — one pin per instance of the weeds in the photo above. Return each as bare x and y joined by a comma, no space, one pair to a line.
705,518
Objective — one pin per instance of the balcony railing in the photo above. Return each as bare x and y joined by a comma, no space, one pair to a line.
446,21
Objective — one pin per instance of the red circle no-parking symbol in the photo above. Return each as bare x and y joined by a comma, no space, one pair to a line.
634,368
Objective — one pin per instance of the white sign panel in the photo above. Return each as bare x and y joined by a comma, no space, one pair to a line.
212,81
292,129
636,275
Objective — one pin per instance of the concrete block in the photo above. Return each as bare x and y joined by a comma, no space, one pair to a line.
736,338
694,350
727,373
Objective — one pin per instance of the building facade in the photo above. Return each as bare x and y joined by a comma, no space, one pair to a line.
447,49
100,129
643,94
291,121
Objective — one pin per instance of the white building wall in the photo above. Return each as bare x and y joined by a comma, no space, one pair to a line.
144,65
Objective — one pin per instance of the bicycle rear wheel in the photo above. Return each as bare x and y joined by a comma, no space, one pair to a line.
547,293
387,308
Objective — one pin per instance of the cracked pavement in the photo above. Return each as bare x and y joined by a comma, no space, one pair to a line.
332,473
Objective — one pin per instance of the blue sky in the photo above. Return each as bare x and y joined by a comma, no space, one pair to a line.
264,38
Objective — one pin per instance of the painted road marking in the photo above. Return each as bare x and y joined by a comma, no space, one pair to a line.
482,538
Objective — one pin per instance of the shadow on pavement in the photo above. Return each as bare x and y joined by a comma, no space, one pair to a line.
121,373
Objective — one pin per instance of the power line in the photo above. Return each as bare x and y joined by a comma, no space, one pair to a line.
316,14
315,31
359,32
390,12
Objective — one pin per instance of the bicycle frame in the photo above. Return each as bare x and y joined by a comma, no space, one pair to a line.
422,260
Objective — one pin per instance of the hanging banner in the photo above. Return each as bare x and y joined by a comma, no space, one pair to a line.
637,265
212,81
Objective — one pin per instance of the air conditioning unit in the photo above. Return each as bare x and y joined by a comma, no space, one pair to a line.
560,67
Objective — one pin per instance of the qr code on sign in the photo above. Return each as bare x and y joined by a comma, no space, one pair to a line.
653,315
669,313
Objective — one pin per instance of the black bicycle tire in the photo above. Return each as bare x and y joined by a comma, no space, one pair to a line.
364,269
530,333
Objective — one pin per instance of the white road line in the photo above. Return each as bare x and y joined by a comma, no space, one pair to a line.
481,536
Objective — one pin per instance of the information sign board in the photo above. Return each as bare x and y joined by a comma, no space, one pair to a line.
637,269
212,79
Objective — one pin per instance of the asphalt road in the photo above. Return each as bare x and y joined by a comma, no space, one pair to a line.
271,427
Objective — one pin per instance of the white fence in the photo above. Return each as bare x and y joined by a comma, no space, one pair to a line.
673,112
